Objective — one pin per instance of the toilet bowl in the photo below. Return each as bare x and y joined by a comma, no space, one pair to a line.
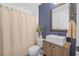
35,49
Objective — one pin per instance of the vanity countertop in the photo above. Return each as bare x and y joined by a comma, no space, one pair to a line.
56,39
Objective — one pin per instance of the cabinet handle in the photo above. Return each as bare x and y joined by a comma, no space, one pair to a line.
50,44
54,46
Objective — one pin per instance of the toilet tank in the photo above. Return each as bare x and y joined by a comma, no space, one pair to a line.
40,42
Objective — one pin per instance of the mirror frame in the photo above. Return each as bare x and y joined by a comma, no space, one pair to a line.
57,30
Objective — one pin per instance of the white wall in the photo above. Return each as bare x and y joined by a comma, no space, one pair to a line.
77,31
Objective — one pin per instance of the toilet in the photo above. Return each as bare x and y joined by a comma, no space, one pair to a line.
35,49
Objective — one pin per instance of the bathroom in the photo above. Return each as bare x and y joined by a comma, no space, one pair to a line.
39,29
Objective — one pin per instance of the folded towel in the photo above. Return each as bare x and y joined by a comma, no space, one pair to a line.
72,29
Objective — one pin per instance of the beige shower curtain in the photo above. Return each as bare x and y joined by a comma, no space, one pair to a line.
23,31
17,32
17,47
1,42
5,22
31,29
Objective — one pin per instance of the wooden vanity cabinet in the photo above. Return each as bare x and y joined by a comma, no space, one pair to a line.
51,49
46,48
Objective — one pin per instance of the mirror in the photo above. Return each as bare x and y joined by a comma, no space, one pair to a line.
60,17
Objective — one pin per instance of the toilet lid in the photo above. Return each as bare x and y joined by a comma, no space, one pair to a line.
34,48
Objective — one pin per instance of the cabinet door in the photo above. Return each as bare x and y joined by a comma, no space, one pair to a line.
46,48
58,50
52,50
55,50
65,52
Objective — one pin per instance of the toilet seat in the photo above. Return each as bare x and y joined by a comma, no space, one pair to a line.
34,50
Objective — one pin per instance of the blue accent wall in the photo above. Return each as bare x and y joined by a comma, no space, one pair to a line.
44,21
45,17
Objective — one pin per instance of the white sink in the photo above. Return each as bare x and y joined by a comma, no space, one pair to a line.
60,40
